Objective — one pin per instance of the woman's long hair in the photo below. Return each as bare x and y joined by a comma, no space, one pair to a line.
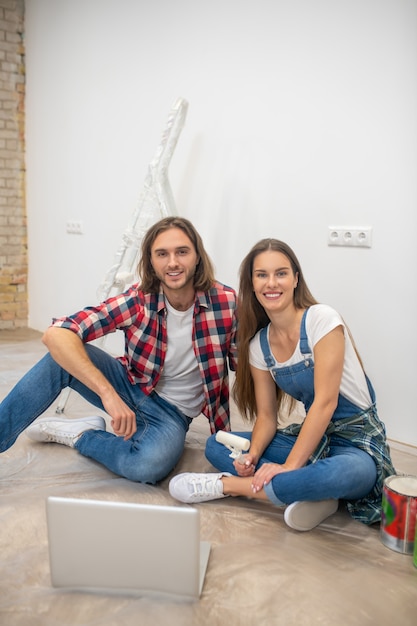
204,274
252,317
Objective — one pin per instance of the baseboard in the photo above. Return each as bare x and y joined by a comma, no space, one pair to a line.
402,447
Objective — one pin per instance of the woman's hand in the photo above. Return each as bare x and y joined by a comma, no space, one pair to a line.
245,466
265,474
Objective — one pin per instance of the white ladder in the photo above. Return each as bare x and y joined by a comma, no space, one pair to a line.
155,201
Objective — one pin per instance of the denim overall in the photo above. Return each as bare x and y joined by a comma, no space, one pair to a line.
298,380
351,461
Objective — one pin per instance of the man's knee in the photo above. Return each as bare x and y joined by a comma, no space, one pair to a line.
149,473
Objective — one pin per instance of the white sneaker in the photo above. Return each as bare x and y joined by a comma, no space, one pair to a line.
61,430
305,515
193,488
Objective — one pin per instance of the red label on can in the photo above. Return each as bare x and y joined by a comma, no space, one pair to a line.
399,514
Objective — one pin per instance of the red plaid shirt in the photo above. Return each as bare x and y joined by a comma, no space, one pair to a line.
142,318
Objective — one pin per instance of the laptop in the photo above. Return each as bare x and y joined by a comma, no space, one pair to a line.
120,547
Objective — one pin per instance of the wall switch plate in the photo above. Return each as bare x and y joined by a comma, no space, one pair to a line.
74,227
350,236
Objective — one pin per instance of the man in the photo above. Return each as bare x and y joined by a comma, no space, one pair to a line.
179,326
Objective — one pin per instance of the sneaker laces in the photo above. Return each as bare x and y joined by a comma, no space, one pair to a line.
205,486
67,439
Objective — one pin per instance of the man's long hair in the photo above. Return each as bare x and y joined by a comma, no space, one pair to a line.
204,274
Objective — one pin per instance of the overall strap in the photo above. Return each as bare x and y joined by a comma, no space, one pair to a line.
263,336
371,389
304,347
269,359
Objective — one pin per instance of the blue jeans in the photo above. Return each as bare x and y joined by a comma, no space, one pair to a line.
348,473
148,456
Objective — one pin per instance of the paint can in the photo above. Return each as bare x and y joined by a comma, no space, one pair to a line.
399,511
415,547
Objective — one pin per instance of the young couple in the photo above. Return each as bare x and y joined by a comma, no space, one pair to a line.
180,338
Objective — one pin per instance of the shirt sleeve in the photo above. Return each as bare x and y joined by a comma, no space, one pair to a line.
321,320
94,322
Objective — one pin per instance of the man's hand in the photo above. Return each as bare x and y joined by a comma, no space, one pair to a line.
123,419
68,351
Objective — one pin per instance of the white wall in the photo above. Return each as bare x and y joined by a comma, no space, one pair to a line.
302,114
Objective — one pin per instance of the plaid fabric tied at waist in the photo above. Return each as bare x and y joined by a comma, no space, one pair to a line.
367,432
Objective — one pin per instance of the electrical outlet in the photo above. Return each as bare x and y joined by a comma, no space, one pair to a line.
352,237
74,227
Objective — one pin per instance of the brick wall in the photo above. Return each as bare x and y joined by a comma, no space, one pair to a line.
13,238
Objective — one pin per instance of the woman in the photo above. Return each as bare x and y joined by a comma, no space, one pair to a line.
292,348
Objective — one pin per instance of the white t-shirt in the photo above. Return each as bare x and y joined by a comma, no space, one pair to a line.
180,382
320,320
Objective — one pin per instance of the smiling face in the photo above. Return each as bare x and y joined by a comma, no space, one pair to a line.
174,260
273,281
